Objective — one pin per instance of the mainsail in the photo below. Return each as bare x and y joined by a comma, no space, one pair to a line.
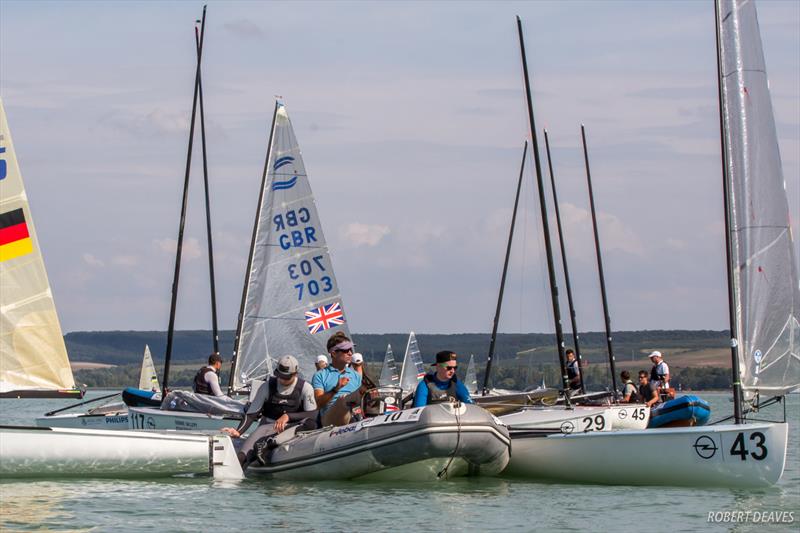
413,367
33,357
148,377
389,374
765,280
291,302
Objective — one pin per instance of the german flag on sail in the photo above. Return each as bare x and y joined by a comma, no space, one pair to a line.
14,237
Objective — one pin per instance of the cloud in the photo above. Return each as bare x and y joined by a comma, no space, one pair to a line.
125,260
191,247
244,28
358,234
92,261
614,234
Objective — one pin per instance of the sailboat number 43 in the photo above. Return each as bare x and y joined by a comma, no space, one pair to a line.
739,448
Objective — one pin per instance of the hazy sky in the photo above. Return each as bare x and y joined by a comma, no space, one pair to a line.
411,117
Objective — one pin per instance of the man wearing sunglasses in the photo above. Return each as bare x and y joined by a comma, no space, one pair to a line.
441,385
337,387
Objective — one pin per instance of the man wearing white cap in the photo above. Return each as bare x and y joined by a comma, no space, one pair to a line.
659,374
282,399
321,362
357,363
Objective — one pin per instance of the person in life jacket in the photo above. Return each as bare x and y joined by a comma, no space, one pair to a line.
573,371
659,374
282,400
206,381
647,391
630,394
442,385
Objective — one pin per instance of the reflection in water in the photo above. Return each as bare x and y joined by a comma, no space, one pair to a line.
33,505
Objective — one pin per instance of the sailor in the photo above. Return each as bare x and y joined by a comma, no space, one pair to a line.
648,392
629,392
321,362
659,374
573,370
280,401
441,385
206,381
337,387
357,363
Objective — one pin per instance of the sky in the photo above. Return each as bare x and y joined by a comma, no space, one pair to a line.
411,117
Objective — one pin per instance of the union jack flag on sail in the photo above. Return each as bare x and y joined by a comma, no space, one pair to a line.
325,317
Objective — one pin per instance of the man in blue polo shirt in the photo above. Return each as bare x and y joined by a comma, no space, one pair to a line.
337,387
441,385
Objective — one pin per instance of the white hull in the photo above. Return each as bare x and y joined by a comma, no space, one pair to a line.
751,455
61,452
158,419
559,419
629,416
113,421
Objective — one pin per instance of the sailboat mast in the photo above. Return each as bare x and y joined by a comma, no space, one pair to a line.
215,329
572,318
173,304
238,338
735,373
606,316
545,226
490,357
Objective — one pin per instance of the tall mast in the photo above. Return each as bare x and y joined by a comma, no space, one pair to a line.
545,226
503,278
238,337
607,318
575,336
735,373
171,328
215,330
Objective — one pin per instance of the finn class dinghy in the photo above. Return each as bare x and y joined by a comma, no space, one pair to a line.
764,301
439,441
290,303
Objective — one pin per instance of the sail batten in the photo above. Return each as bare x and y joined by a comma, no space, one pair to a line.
33,356
292,303
765,280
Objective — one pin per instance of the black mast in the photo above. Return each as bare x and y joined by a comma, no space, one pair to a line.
252,251
171,328
611,361
503,278
215,330
572,318
735,375
545,226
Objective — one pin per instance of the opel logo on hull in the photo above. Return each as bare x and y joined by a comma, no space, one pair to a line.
705,447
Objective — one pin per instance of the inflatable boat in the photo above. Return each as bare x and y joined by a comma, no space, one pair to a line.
680,412
425,443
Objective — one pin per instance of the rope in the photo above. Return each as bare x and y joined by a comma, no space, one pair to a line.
443,471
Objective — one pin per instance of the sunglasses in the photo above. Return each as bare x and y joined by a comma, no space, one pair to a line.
344,351
453,368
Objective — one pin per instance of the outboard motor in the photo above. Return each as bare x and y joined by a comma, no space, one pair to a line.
382,400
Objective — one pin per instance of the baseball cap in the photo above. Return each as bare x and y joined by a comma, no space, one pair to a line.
357,358
655,354
322,358
287,367
445,356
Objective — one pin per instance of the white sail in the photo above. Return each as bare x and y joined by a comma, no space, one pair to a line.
389,374
33,356
292,303
471,377
148,377
413,367
766,287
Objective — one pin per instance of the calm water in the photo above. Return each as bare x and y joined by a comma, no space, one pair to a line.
191,504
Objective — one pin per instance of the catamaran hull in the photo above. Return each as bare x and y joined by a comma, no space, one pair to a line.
434,442
751,455
158,419
116,421
559,419
29,452
629,416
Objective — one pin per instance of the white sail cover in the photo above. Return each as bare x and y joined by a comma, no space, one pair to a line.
766,286
32,351
471,377
389,374
148,377
413,367
292,303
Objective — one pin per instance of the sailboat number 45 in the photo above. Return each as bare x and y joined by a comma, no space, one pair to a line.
739,448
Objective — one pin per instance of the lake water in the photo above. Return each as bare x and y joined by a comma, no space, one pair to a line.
479,504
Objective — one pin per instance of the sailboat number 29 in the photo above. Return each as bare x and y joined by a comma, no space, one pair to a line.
741,450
